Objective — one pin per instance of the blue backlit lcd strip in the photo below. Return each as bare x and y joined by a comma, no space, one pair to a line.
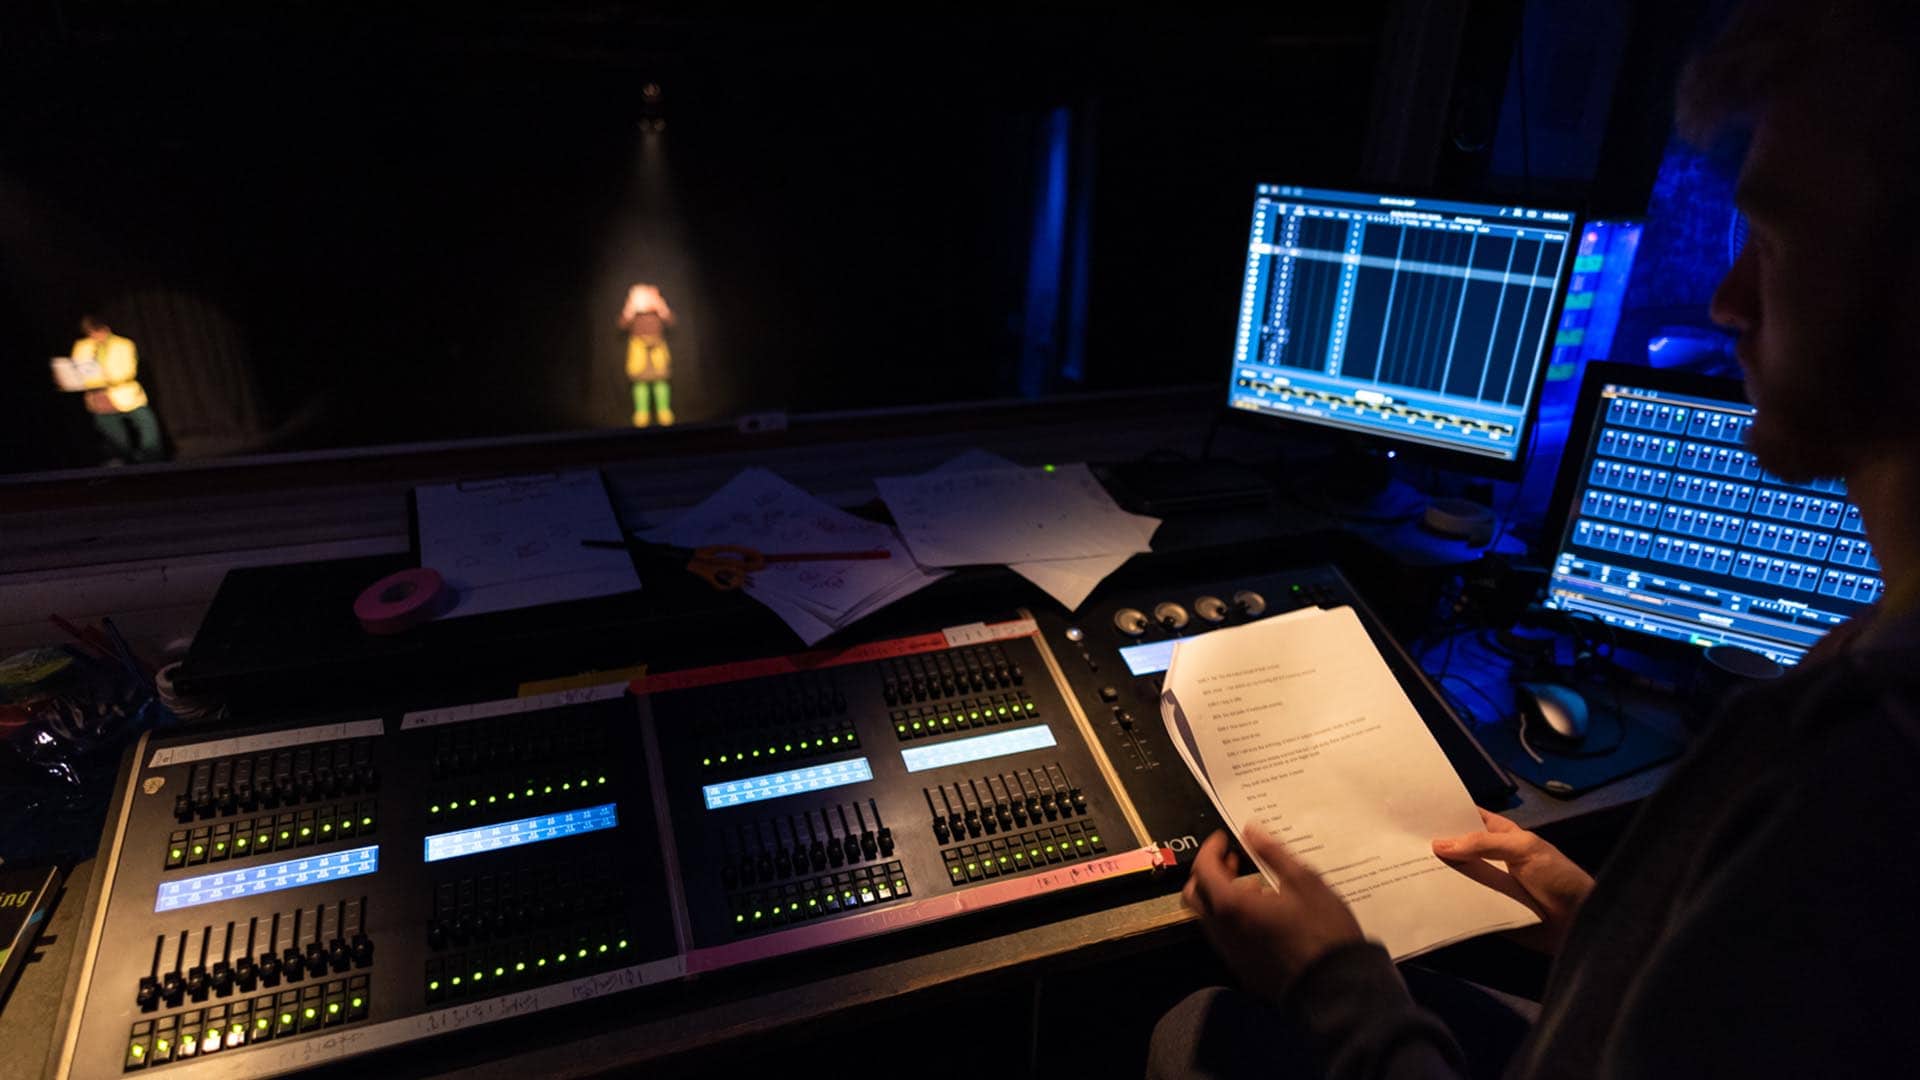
791,782
977,748
291,874
531,830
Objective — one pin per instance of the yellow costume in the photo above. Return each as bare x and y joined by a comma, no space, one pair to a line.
115,390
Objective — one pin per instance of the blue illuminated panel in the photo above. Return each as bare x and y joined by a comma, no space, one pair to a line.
1420,320
791,782
1677,532
508,834
234,884
977,748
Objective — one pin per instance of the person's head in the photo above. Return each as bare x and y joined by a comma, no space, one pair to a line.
95,328
1830,187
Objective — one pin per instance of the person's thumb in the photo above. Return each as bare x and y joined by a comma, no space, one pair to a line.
1483,845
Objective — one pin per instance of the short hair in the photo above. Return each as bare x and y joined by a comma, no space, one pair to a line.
1768,45
90,323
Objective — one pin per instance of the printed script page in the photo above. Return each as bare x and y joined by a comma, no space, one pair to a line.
1297,723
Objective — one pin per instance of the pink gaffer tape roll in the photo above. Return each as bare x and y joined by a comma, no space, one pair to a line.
400,601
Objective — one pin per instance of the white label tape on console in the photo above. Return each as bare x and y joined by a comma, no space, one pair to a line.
273,740
454,714
975,633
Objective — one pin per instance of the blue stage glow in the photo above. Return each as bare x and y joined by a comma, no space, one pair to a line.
252,881
531,830
790,782
977,748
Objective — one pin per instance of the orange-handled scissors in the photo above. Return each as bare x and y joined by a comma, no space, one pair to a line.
726,566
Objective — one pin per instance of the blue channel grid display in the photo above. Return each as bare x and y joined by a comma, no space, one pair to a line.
791,782
1677,531
529,830
977,748
273,877
1420,320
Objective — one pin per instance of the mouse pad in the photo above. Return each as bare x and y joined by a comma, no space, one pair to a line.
1607,754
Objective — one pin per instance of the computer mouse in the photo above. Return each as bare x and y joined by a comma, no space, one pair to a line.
1560,708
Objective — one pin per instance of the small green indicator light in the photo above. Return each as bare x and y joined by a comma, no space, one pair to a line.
366,822
1003,710
434,985
723,759
789,748
567,786
756,753
739,918
916,725
164,1044
623,943
175,853
835,740
903,727
582,954
603,780
434,809
491,800
1096,839
521,966
509,796
499,971
479,976
757,915
1003,858
1035,853
956,871
705,761
548,790
306,830
529,793
333,1007
221,846
456,980
285,1018
811,902
473,802
310,1012
1030,706
357,1002
946,720
562,958
1049,468
542,962
139,1051
262,1022
286,834
328,827
241,842
973,716
603,948
199,849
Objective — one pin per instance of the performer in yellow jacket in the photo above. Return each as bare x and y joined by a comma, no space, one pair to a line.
114,397
646,319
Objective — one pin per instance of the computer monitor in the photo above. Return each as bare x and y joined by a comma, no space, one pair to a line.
1667,527
1422,322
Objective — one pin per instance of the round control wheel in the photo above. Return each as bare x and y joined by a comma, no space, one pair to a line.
1250,603
1170,616
1210,608
1130,622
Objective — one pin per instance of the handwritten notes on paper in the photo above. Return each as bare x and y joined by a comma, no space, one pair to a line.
1016,512
758,509
514,542
1297,724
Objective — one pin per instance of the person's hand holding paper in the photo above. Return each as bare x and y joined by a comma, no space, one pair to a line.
1296,724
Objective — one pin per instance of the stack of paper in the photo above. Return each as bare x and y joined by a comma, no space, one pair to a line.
759,510
1296,723
514,542
1057,527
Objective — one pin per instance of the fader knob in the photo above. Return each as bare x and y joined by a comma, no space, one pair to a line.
1211,609
1130,622
1170,616
1250,603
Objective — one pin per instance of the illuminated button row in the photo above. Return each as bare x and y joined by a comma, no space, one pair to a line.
1018,854
819,739
203,1032
922,721
792,782
257,836
540,959
523,795
829,894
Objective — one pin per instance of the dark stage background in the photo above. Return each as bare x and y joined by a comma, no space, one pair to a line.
327,226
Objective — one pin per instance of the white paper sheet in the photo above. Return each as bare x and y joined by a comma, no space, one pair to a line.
1296,723
514,542
1069,581
969,517
758,509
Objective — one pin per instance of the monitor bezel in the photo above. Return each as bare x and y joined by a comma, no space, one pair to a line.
1453,459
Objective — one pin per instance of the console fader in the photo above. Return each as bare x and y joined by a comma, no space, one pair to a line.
288,894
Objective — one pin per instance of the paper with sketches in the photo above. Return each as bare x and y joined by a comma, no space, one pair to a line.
968,517
1069,581
759,510
1295,723
514,542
